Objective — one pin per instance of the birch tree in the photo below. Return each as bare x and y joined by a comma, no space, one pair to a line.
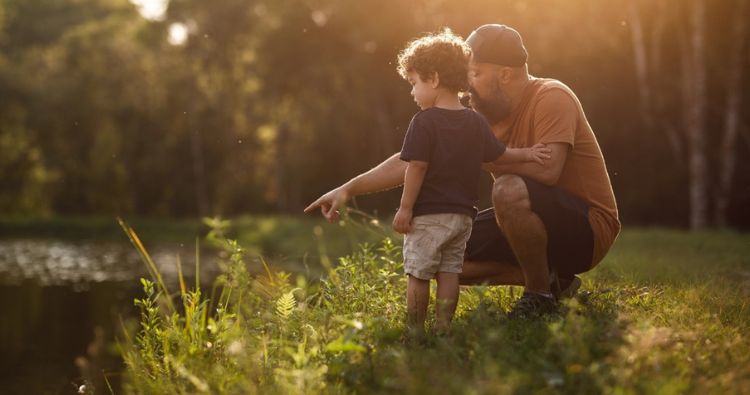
695,103
687,133
732,112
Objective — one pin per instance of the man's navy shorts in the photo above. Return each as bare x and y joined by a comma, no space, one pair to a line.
570,241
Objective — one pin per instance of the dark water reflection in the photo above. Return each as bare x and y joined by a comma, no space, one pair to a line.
46,328
61,307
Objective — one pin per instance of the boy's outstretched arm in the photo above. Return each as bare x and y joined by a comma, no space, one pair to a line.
547,174
415,171
388,174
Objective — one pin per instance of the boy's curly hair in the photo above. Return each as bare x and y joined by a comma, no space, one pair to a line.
443,53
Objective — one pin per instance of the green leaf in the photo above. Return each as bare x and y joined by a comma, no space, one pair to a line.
341,345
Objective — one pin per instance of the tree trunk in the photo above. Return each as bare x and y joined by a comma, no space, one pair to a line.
641,63
282,180
386,132
728,153
695,102
199,173
647,64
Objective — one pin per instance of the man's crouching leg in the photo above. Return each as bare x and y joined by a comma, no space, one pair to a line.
524,230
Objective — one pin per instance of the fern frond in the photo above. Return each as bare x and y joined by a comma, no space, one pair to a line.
286,304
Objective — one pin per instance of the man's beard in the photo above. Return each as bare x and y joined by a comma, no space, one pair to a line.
495,107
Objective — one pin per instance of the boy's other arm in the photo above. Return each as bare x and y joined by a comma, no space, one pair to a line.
547,174
388,174
538,153
415,171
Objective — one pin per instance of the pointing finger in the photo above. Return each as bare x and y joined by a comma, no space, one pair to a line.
312,206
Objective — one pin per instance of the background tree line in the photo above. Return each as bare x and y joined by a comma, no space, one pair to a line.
235,106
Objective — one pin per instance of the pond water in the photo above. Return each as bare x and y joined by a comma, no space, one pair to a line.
62,304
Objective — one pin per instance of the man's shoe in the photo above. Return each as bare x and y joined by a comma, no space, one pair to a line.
533,305
564,288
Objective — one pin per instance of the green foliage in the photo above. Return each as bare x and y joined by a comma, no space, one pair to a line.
22,169
270,103
633,331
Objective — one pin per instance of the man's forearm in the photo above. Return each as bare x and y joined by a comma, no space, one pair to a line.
547,174
387,175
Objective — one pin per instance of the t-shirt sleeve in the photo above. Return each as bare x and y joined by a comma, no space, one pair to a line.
417,142
492,148
556,118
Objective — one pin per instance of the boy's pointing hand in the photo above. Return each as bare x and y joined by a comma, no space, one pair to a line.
330,203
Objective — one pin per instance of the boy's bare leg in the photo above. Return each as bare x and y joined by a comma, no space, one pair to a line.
447,299
417,298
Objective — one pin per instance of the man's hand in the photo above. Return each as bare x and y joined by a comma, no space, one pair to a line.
402,221
330,203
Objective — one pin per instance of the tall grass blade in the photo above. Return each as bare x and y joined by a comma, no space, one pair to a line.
325,261
197,264
124,329
183,290
150,265
109,386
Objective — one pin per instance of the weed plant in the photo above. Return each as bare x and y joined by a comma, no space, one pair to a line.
657,317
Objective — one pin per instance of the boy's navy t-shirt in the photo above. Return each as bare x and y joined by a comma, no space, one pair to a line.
455,143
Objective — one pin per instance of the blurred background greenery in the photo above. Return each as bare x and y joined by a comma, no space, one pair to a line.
186,108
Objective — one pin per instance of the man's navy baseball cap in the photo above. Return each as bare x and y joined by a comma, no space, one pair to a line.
497,44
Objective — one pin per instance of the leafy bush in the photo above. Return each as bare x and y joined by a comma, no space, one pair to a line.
344,333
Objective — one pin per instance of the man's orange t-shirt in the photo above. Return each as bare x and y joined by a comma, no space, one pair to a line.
549,112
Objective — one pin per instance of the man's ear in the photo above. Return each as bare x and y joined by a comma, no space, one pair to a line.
504,74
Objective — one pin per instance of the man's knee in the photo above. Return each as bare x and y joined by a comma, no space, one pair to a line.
509,192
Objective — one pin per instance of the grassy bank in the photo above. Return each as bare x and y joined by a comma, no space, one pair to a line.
666,312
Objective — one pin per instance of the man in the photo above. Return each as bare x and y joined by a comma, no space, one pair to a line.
548,222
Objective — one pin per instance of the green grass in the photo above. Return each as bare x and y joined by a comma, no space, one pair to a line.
665,313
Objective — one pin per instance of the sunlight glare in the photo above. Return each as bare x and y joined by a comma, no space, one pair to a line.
178,33
154,10
319,17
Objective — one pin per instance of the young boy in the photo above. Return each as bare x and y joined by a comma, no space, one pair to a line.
445,146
